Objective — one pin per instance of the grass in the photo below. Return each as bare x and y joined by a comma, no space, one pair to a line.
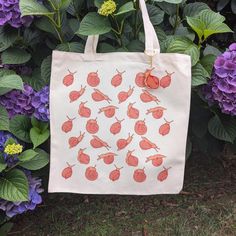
205,207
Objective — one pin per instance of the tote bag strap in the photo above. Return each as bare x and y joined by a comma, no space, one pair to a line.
152,46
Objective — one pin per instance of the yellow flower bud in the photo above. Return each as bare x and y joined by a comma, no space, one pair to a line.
12,149
107,8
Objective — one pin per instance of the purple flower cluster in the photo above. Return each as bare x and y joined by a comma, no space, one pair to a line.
10,14
18,102
15,208
221,89
40,102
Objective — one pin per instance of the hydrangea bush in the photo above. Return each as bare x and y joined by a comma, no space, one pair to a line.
31,29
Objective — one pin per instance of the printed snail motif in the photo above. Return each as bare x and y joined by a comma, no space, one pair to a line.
144,85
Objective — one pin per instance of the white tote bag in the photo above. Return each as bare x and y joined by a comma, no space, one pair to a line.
119,120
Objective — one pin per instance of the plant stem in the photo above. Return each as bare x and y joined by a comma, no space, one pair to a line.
176,19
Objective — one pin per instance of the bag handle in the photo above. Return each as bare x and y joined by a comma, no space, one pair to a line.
152,46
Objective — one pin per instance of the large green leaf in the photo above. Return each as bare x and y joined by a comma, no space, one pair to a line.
20,126
46,70
14,186
11,82
93,24
3,164
127,7
207,62
27,155
38,161
211,50
223,129
33,7
156,14
15,56
71,47
4,119
8,37
199,75
193,9
185,46
169,1
38,136
207,23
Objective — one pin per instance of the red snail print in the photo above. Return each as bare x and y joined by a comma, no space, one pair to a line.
140,127
117,79
116,127
163,174
146,144
83,110
75,95
69,79
92,126
123,95
145,96
67,172
96,142
165,128
139,80
107,158
132,112
67,125
74,141
109,111
91,173
130,159
166,80
93,79
156,160
151,81
157,112
122,143
139,175
99,96
115,174
82,157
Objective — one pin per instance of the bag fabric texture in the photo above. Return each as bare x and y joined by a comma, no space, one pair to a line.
119,120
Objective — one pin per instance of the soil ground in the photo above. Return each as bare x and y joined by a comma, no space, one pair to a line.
206,206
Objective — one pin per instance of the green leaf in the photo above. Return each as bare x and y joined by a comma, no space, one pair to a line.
42,126
10,141
208,62
38,137
11,82
15,56
20,126
27,155
221,4
3,164
46,70
32,7
14,186
156,14
71,47
193,9
185,46
211,50
184,31
199,75
207,23
169,1
93,24
6,228
8,37
224,129
37,162
127,7
4,119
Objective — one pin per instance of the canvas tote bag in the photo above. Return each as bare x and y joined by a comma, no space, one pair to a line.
119,120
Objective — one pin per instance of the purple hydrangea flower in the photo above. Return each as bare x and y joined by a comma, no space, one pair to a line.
221,89
14,208
10,14
40,102
18,102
